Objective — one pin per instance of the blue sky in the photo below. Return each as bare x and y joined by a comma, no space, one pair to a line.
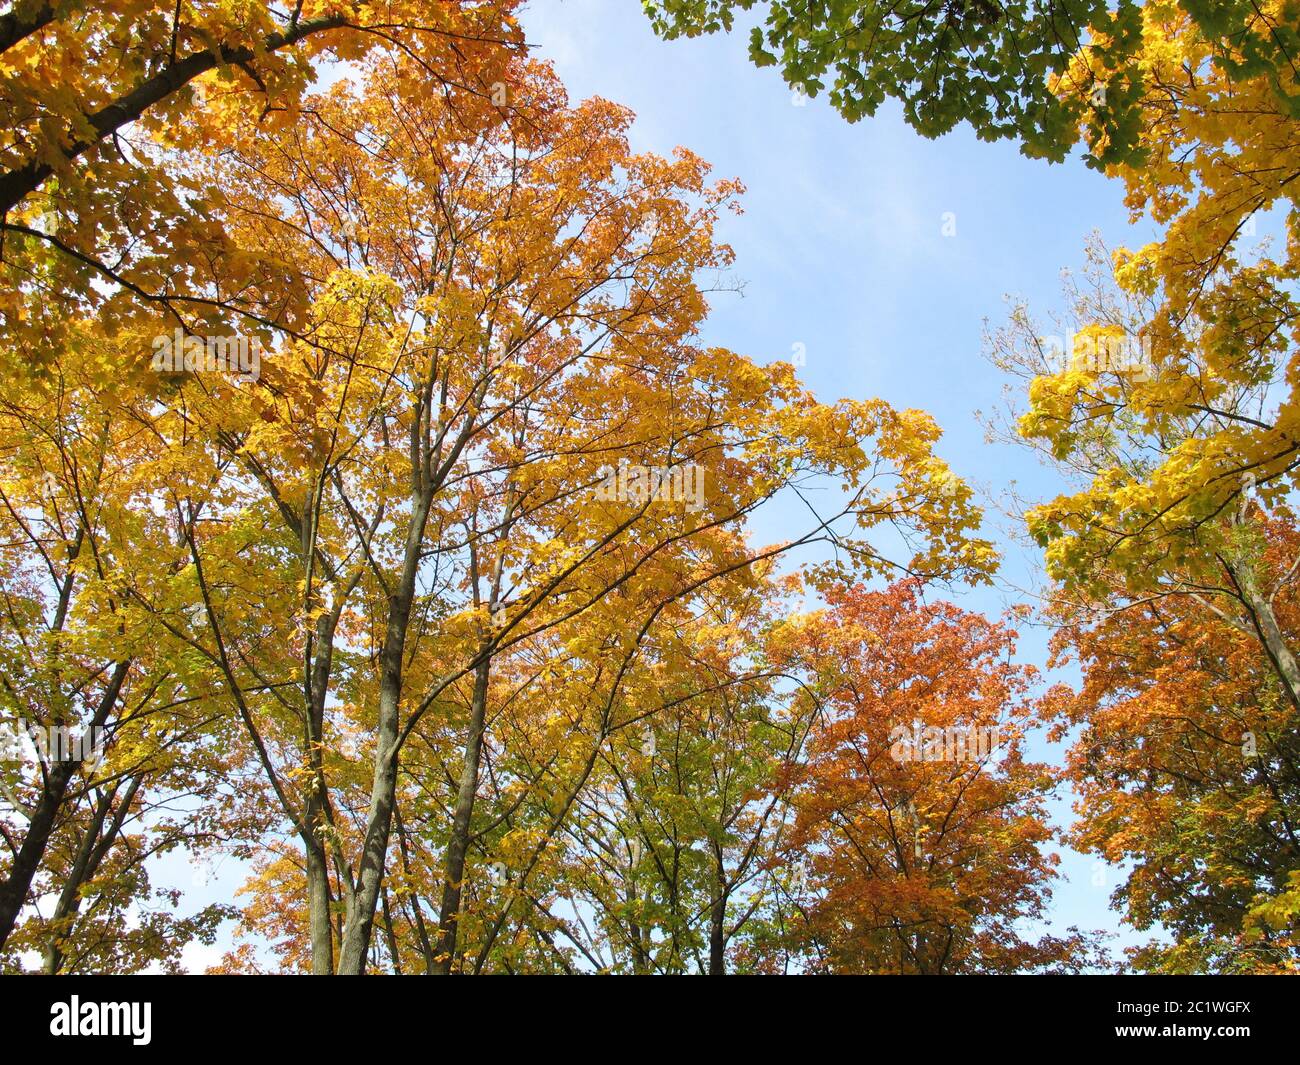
841,248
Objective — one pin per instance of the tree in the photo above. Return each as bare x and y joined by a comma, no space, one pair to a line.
1171,413
1009,69
1183,403
112,754
989,64
91,213
671,848
1185,765
920,829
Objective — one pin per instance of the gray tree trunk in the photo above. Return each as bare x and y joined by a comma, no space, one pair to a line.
458,844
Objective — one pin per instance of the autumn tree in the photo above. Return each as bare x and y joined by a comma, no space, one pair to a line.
674,842
1181,404
95,218
1169,411
920,834
1184,763
113,754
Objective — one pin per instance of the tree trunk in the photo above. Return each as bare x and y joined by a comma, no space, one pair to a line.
383,789
718,922
383,792
319,900
1270,633
458,844
319,896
